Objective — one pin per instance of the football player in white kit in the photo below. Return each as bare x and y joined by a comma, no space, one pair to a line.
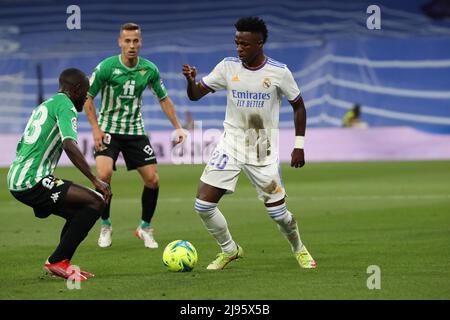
255,85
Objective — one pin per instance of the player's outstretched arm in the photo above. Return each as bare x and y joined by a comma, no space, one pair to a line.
97,133
78,159
298,155
169,109
195,90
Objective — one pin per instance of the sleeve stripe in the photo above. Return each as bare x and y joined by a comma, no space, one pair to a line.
69,137
296,98
165,96
206,86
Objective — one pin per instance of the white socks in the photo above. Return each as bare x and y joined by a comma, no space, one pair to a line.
287,225
216,224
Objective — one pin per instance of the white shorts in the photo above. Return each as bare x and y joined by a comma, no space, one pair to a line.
222,171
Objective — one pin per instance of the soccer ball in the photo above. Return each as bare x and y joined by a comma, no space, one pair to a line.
180,256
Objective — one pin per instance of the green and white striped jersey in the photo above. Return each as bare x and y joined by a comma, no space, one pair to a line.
40,146
121,93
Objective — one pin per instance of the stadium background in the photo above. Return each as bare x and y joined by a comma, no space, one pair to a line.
399,74
391,214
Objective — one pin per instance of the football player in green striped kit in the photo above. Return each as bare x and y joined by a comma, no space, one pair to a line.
51,129
121,80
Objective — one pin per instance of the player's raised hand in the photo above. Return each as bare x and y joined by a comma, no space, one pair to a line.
104,189
98,135
297,158
189,72
180,136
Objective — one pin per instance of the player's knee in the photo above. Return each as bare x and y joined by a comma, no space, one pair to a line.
97,203
204,208
105,176
152,181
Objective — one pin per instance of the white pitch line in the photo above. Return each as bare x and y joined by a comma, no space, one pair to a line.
313,198
290,198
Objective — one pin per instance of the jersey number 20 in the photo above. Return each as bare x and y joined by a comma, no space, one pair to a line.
218,160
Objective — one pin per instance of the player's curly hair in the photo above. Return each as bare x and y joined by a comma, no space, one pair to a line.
252,24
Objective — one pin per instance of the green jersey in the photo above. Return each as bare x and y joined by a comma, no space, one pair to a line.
121,93
40,146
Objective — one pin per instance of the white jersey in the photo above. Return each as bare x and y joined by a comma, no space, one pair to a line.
253,107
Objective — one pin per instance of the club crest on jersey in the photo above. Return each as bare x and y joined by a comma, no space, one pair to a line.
235,79
142,72
266,83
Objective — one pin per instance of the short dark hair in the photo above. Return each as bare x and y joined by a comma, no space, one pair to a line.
70,77
130,26
252,24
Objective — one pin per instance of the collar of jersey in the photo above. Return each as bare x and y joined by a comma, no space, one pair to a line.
64,94
256,68
128,68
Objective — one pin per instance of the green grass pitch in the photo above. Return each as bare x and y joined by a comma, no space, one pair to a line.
395,215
